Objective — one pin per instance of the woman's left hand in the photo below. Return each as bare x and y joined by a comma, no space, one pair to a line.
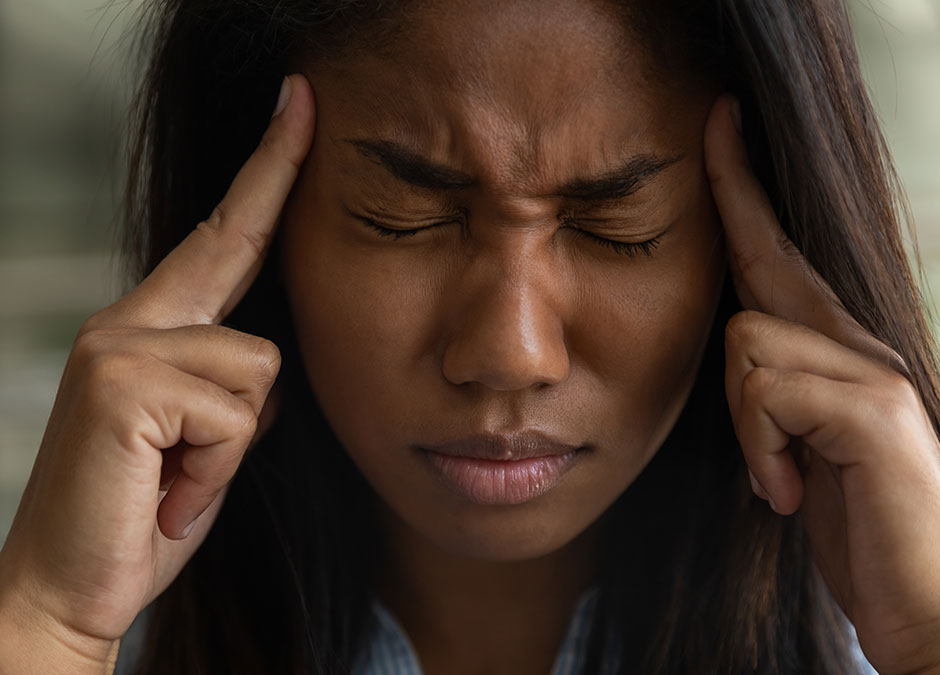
807,384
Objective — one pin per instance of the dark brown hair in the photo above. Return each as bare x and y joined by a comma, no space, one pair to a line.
698,575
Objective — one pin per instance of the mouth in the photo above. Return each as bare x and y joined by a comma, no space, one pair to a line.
501,469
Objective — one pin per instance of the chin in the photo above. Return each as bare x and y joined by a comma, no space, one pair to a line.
502,533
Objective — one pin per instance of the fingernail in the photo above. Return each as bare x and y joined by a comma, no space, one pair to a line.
283,98
736,115
189,528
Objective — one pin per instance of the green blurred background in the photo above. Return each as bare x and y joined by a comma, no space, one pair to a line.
64,87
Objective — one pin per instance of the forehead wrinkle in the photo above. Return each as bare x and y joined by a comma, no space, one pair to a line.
413,121
514,140
465,113
527,153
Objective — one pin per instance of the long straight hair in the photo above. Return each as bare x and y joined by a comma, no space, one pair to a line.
714,582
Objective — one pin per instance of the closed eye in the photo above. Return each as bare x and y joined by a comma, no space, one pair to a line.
645,248
396,233
628,248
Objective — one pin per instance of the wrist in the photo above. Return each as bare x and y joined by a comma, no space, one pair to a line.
33,641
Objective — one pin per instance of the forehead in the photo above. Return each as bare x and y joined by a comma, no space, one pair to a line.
513,91
571,44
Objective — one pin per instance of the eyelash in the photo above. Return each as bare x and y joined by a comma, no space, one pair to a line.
396,233
628,248
631,249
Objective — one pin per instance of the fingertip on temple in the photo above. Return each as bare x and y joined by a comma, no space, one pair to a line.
721,132
295,115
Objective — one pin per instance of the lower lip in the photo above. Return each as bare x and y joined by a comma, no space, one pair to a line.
493,482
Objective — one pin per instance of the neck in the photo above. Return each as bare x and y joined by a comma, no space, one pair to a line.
466,615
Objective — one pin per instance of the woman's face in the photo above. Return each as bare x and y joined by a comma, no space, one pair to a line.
503,259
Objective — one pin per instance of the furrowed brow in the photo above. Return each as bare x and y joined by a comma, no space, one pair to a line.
618,183
411,167
414,169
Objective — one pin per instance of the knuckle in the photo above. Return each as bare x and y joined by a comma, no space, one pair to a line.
897,400
257,242
93,344
743,328
95,349
749,259
897,365
790,250
88,345
757,381
888,411
273,145
256,354
108,319
212,224
753,261
110,372
245,421
266,357
218,227
90,325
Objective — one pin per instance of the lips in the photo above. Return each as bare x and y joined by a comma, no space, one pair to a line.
501,469
508,447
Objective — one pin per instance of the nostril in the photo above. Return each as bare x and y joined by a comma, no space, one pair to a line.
506,330
506,365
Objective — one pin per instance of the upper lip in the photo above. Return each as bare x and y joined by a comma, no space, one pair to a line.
503,447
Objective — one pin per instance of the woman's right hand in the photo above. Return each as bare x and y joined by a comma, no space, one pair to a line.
154,391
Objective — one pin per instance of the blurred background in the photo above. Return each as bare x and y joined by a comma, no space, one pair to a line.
64,88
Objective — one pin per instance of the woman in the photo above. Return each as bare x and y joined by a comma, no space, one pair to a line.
498,254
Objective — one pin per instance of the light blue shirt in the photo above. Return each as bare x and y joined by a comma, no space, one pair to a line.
390,652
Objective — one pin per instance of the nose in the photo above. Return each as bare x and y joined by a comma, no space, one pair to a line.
508,334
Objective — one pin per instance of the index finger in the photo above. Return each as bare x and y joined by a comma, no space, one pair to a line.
204,277
770,273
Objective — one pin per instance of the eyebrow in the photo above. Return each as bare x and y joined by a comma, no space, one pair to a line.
619,182
412,168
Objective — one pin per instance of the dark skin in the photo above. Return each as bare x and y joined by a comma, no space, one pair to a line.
469,615
538,308
505,306
498,318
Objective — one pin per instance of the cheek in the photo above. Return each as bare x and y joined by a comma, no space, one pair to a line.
369,329
358,321
349,309
643,333
369,325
